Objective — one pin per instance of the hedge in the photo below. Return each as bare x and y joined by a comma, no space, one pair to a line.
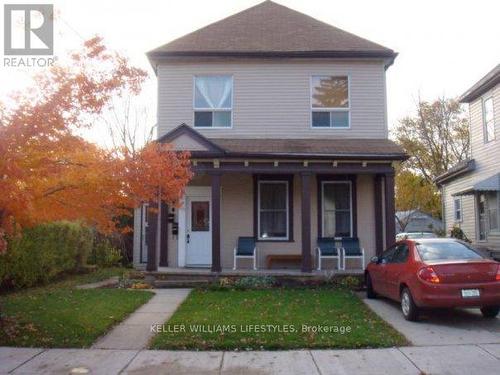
45,252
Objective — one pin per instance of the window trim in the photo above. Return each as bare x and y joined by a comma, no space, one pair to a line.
289,179
338,182
333,109
484,99
287,208
459,199
213,110
489,230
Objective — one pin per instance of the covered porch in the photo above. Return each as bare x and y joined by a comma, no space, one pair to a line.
282,195
285,205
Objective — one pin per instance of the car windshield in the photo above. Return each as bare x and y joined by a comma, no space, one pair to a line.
451,250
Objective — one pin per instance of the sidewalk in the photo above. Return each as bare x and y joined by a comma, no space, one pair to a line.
481,359
134,332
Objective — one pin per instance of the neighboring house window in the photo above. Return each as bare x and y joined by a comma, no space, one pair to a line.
330,102
457,209
273,210
213,101
489,120
492,207
337,209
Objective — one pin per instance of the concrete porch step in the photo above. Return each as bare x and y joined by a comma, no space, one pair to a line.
181,283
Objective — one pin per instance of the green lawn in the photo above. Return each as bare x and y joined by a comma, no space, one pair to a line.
57,315
280,315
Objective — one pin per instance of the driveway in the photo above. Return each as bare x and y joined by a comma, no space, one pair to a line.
440,327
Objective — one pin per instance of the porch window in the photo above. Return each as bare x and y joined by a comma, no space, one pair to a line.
330,102
213,101
489,120
457,209
273,210
492,207
337,209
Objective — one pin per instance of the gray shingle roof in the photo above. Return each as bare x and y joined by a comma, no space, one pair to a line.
270,29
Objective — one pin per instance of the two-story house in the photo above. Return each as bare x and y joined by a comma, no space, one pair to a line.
286,121
471,189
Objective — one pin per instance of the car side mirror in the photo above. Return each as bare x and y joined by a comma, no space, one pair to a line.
374,259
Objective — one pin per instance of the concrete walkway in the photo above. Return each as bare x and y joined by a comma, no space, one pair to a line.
440,327
481,359
135,332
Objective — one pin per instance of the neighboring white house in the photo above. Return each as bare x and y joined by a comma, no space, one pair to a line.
471,189
285,119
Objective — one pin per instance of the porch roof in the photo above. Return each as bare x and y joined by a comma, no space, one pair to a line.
489,184
286,148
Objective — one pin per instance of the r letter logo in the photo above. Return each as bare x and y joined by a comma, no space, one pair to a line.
29,29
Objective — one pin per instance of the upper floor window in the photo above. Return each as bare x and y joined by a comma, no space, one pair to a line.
489,119
213,101
330,101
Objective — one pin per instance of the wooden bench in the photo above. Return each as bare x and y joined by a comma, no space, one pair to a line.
283,258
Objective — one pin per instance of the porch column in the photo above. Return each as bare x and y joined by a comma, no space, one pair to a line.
151,236
306,221
163,225
390,212
216,261
379,235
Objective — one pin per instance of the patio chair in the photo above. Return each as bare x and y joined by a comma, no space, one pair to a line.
352,250
245,249
327,249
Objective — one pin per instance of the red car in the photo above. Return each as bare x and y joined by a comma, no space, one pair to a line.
441,273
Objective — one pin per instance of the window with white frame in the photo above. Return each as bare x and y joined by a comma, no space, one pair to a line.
273,210
213,101
337,209
457,209
330,102
488,119
493,212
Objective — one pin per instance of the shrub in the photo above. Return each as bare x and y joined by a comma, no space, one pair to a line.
45,252
104,254
254,282
350,282
458,233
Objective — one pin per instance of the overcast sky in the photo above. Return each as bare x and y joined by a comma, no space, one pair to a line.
444,46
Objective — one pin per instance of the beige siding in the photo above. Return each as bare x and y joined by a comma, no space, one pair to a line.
468,223
486,155
272,98
237,219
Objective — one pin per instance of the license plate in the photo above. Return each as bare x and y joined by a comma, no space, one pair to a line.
470,293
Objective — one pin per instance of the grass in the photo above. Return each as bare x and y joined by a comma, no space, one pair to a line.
237,311
57,315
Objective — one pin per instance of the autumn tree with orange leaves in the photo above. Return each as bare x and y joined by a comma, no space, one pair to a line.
48,172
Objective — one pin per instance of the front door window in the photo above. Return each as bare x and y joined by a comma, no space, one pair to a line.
200,216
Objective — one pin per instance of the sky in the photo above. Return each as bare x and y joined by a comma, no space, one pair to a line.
444,46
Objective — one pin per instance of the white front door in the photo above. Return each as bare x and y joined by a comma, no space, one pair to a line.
198,229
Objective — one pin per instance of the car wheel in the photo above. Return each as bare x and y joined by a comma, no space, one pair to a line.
370,293
490,311
408,307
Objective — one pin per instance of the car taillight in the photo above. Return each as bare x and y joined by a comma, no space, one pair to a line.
428,274
498,274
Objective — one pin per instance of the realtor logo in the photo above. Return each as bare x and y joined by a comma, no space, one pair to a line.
28,29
